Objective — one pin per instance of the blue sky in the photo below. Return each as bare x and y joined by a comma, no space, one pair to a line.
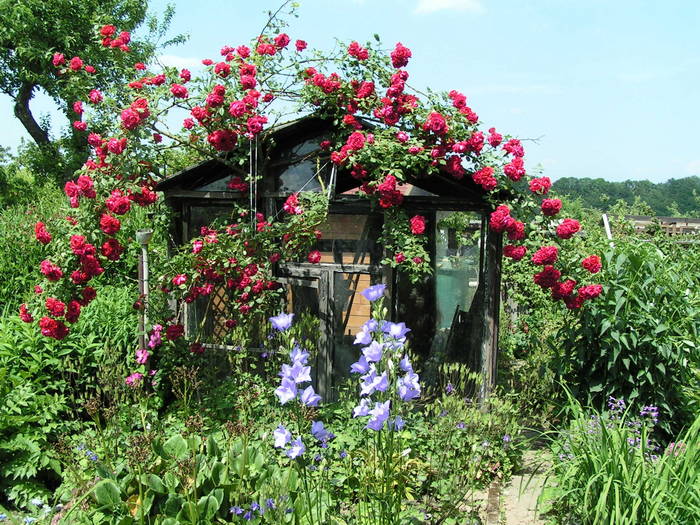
608,88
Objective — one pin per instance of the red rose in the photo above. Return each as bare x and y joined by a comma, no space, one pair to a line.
590,292
73,311
500,219
417,225
58,59
514,147
314,257
87,295
52,328
568,228
24,314
484,177
399,258
435,123
561,290
400,56
174,331
550,207
109,224
300,45
50,270
179,91
118,203
357,51
222,69
514,252
130,118
541,185
282,40
548,277
494,138
41,233
76,64
545,255
592,263
55,307
514,170
356,141
112,249
197,348
516,231
223,139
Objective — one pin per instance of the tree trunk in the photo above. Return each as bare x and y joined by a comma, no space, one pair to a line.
24,114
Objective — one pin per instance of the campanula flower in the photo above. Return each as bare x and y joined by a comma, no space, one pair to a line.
281,322
380,413
297,449
309,397
374,292
282,436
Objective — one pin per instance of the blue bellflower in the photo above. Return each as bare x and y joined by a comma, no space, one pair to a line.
281,322
374,292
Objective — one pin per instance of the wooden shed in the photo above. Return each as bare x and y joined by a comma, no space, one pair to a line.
452,313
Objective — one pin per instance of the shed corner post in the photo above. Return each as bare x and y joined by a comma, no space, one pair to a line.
489,334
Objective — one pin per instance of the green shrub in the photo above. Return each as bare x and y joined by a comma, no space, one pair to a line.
44,384
639,339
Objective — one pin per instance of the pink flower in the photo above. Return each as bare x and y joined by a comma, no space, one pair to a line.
314,257
76,64
514,147
222,69
58,59
78,107
514,170
130,118
95,96
134,380
291,205
399,258
80,126
417,225
356,141
300,45
179,279
142,356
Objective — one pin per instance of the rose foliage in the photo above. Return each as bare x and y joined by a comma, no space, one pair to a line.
385,135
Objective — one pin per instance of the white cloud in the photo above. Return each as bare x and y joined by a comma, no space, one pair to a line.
179,62
430,6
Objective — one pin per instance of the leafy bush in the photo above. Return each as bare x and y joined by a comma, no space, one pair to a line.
610,470
44,384
639,339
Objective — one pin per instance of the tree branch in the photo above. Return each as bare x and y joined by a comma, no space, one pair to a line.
24,114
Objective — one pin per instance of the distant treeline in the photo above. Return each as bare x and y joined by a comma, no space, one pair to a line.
675,197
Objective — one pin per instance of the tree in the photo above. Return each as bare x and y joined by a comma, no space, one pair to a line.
32,31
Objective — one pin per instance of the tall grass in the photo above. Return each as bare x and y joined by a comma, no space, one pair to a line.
609,470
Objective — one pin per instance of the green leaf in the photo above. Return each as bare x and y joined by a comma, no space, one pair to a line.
107,493
156,484
207,506
176,447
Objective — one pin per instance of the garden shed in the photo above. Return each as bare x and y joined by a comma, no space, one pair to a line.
453,313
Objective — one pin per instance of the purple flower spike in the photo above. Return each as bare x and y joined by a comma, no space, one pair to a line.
282,436
380,413
309,397
297,449
281,322
374,292
286,391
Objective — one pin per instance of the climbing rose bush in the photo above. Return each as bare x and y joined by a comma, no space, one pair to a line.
387,136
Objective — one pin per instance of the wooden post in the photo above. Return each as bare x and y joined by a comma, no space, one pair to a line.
489,335
324,362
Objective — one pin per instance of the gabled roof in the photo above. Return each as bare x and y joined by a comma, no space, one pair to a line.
289,134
